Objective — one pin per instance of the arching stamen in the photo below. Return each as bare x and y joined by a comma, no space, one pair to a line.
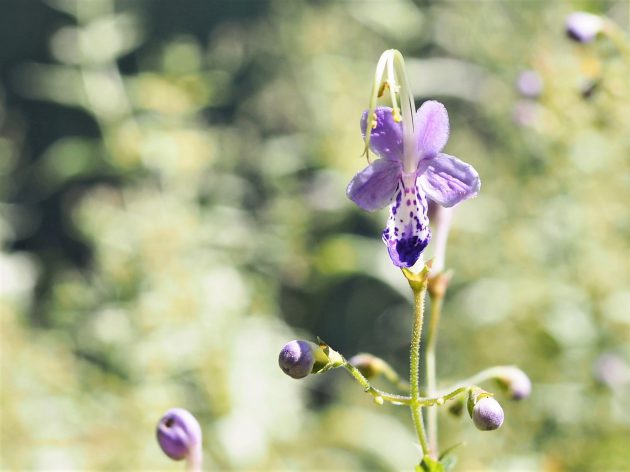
377,86
408,106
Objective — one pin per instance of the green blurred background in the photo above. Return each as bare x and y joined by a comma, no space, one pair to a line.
173,211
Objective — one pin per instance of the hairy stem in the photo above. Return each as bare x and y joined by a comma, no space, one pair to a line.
379,395
414,363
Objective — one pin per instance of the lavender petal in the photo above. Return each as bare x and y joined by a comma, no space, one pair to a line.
386,138
447,180
433,128
374,187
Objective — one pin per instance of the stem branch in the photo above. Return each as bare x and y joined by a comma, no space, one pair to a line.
379,395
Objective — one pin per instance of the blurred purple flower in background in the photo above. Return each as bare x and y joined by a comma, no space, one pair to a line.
611,370
525,113
583,27
404,178
529,84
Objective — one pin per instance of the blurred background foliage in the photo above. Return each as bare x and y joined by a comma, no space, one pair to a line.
174,211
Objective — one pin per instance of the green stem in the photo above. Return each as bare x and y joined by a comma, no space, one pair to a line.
405,399
419,291
440,400
480,377
431,341
379,395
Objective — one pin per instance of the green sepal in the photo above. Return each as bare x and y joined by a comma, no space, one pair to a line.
430,465
418,281
474,396
326,358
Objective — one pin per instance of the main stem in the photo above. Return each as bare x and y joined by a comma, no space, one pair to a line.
432,420
414,365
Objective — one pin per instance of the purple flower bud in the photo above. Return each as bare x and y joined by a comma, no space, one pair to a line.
367,364
583,27
179,434
487,414
529,84
297,358
516,382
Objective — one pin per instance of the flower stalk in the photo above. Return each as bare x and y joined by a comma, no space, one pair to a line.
418,284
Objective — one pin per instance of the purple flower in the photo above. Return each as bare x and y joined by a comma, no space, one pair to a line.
583,27
405,175
179,435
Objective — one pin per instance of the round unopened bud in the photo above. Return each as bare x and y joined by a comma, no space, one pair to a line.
487,414
297,358
178,434
516,382
583,27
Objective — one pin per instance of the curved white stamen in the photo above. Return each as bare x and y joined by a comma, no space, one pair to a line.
376,87
407,104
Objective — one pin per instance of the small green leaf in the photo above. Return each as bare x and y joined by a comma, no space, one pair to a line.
449,450
448,459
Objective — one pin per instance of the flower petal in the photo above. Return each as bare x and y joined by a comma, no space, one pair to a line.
374,186
447,180
386,139
433,128
407,233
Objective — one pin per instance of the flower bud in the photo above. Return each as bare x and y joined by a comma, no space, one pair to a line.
487,414
179,434
516,382
583,27
370,366
297,358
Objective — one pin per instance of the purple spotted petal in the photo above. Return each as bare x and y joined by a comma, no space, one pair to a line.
374,186
447,180
386,139
407,233
433,128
